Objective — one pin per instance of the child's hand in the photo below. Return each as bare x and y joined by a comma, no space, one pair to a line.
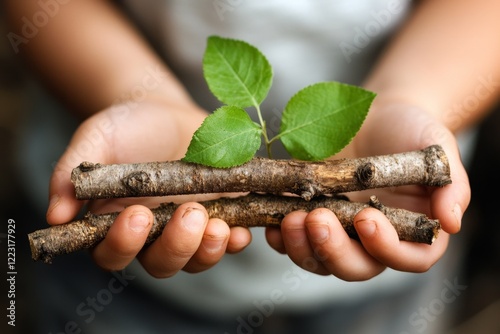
316,241
151,131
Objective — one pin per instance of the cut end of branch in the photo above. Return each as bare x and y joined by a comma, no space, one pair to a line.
429,229
438,167
38,250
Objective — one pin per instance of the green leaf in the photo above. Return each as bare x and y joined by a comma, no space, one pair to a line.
321,119
226,138
236,72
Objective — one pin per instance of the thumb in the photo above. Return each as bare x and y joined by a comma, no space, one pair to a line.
450,202
87,144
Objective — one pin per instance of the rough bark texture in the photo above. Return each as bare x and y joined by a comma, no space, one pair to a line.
251,211
424,167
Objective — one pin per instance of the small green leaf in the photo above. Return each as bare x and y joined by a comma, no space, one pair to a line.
227,138
236,72
321,119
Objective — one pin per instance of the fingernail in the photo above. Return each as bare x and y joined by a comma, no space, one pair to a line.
193,219
213,243
457,211
138,222
366,228
318,232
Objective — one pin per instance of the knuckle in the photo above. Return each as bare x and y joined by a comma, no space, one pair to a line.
178,251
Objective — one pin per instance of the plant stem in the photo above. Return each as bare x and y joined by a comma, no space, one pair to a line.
249,211
264,130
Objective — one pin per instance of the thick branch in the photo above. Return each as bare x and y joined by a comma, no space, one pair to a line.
251,210
424,167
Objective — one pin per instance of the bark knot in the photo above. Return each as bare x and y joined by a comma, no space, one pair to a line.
136,182
364,174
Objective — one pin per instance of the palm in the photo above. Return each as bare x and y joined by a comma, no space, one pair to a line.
405,130
142,135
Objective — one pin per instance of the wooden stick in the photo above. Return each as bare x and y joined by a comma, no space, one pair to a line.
251,210
424,167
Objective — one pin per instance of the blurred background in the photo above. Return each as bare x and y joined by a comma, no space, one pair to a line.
13,113
476,309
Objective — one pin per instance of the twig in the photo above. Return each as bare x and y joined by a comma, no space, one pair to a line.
424,167
251,211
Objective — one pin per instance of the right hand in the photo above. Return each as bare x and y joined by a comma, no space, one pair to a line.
151,131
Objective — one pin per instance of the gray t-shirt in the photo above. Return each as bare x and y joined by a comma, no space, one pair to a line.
305,42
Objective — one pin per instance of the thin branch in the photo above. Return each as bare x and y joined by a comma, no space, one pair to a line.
424,167
250,211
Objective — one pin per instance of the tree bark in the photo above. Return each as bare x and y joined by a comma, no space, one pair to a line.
251,211
424,167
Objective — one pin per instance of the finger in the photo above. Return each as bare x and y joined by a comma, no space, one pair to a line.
297,245
450,202
381,241
178,242
84,146
63,205
339,254
124,239
212,248
239,239
275,239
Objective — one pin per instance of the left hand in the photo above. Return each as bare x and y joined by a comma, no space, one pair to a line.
317,242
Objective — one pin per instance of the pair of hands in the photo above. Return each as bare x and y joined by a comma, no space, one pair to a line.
316,241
